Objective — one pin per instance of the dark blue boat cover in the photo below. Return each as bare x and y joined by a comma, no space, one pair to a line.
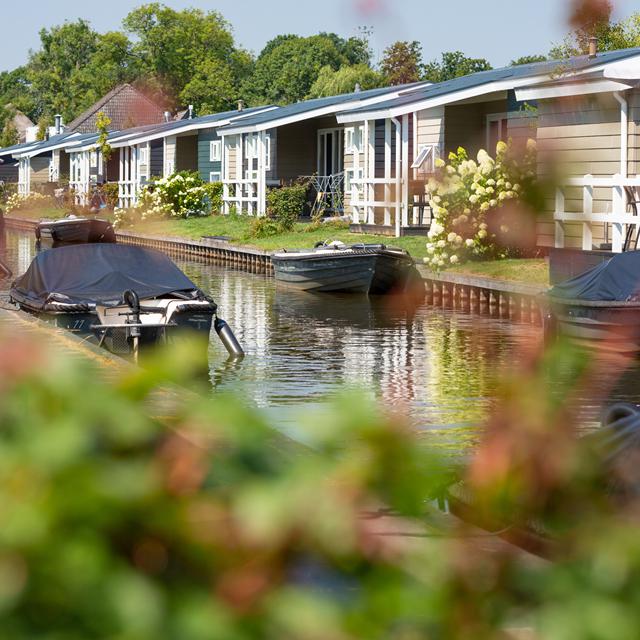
615,279
87,273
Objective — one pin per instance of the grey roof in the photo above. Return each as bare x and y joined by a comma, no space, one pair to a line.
7,151
518,72
307,106
199,121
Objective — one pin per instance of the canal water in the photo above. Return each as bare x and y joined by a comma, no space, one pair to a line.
439,367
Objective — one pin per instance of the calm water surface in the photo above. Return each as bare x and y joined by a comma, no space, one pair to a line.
438,366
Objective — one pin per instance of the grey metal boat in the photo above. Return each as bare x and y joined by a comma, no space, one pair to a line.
359,268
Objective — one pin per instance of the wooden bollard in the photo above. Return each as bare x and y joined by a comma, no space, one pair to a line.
464,298
513,308
474,299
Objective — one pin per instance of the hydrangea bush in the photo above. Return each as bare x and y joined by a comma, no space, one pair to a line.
465,193
181,195
34,200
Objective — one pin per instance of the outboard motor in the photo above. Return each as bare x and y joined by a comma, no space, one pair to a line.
227,337
132,300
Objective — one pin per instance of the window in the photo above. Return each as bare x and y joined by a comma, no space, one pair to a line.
497,130
215,151
93,159
251,146
354,138
215,176
426,159
267,152
143,154
349,176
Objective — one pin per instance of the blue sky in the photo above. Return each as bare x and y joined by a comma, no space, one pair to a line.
495,29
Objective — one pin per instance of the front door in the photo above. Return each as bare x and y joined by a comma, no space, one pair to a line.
330,152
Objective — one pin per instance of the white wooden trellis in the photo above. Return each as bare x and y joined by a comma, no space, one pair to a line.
24,176
619,218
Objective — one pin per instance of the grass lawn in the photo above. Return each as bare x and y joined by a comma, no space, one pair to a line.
531,271
238,230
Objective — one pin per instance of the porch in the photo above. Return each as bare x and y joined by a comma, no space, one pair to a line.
606,215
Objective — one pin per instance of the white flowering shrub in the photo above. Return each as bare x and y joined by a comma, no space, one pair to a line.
181,195
34,200
466,193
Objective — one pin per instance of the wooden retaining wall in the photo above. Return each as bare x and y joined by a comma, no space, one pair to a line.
473,294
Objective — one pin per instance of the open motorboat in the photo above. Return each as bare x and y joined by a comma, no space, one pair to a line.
602,304
74,230
358,268
122,296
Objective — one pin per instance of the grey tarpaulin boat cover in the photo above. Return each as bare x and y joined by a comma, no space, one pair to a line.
616,279
90,273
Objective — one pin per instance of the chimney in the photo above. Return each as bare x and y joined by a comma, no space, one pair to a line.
593,47
58,124
240,105
167,116
190,112
358,88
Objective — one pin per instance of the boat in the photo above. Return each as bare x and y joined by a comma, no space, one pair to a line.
333,267
601,305
123,297
74,230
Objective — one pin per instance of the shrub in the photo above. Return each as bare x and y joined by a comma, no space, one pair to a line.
214,196
469,200
264,228
34,200
110,191
181,195
285,204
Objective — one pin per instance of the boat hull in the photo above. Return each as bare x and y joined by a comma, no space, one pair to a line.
366,272
117,341
75,231
615,326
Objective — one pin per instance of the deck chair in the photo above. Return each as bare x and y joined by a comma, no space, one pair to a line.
631,244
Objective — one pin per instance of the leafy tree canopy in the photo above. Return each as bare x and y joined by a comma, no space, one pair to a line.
527,60
611,35
175,47
286,69
454,64
345,79
402,63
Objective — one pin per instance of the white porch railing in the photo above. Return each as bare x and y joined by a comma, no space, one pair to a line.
619,217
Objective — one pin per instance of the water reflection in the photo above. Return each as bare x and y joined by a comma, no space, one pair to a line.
439,366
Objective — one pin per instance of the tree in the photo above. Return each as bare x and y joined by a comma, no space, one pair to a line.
212,88
402,62
454,64
344,80
611,36
171,45
527,60
286,69
9,135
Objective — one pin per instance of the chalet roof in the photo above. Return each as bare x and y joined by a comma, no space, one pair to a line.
125,105
312,108
514,76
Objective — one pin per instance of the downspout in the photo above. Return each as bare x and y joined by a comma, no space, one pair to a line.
624,133
398,127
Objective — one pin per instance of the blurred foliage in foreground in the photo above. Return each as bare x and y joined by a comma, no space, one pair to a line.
206,524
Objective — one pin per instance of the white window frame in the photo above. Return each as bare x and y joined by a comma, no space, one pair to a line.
143,154
427,153
93,158
267,152
354,139
215,176
215,151
499,118
349,176
251,146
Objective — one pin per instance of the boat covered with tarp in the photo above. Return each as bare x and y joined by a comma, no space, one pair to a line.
602,304
337,267
74,230
123,295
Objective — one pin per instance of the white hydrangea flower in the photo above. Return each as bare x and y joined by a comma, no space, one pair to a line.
469,242
451,237
482,234
453,259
